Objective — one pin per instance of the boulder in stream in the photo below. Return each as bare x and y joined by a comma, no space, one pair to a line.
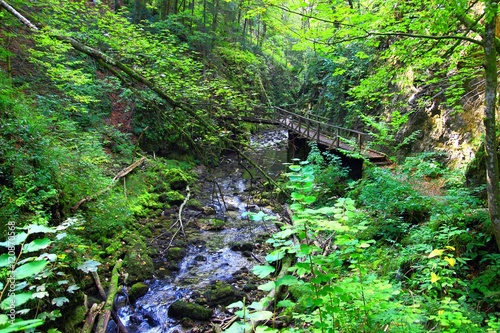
222,293
181,309
137,290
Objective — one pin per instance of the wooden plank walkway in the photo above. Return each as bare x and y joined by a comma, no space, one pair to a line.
316,128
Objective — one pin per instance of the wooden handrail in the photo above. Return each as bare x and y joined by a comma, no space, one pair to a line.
296,122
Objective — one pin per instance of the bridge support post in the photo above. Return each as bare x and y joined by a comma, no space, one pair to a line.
297,147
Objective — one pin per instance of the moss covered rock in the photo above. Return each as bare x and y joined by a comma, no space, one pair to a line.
175,254
74,319
138,263
222,293
137,290
181,309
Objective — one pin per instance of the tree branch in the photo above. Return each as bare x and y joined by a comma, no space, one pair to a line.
18,15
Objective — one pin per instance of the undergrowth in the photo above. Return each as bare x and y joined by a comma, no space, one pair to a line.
389,256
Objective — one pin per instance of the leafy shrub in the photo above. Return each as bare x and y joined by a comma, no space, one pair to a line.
34,281
387,196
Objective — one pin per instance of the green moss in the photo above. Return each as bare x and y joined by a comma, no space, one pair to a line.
74,319
180,309
137,290
138,263
175,254
222,293
193,203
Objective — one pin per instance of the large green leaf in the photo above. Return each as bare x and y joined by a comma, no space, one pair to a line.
29,269
268,286
36,228
275,255
263,271
15,240
20,325
287,280
37,244
89,266
260,315
17,300
4,260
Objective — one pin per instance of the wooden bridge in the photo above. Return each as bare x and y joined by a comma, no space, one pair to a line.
316,128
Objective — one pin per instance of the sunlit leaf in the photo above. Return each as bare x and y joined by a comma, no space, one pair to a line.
267,286
36,228
434,278
309,199
15,240
71,289
296,207
238,305
29,269
89,266
59,301
287,280
450,261
5,261
260,315
284,234
286,303
435,253
37,244
297,196
40,294
17,299
275,255
263,271
21,325
238,327
256,306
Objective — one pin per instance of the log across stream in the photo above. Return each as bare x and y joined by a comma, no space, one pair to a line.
221,245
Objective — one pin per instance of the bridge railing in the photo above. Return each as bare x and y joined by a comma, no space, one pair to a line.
317,128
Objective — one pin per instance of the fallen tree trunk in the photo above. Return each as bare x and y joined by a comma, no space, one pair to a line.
119,175
103,321
91,317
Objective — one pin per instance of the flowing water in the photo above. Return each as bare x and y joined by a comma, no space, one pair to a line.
210,258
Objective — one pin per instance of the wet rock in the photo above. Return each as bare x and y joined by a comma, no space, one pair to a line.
222,293
211,224
200,258
232,207
187,322
181,309
241,247
137,290
138,263
175,254
208,210
249,287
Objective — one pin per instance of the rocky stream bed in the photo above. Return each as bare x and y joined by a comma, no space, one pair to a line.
209,266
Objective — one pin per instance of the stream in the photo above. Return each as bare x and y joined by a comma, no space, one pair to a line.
225,249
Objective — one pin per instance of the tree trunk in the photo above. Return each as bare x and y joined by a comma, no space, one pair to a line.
490,66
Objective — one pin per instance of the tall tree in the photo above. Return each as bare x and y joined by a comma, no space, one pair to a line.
491,141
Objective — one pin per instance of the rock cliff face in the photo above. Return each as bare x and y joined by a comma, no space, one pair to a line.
457,134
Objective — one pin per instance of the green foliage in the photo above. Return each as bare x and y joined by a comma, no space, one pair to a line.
330,176
388,196
34,282
425,164
412,278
